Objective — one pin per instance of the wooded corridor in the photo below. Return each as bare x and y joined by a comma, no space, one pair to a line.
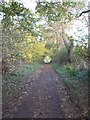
44,58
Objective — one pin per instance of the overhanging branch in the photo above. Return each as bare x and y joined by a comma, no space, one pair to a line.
84,12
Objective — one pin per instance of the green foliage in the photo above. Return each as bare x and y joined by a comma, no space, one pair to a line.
76,81
31,48
72,4
49,45
60,69
80,53
83,75
50,49
63,73
15,12
72,75
16,23
53,10
73,71
61,56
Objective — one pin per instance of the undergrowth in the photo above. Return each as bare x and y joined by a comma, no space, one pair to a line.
76,81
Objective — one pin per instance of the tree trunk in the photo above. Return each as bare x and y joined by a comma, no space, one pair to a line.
57,40
67,45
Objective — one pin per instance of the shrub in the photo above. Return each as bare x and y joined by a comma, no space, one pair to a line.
72,71
60,56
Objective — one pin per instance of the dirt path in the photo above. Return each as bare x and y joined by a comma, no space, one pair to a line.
45,97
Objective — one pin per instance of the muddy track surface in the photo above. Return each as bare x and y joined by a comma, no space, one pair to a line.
45,96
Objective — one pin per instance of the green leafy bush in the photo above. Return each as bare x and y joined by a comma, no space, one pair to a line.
60,56
79,53
71,74
72,71
76,81
83,75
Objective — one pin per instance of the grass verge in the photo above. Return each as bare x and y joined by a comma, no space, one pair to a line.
77,82
12,83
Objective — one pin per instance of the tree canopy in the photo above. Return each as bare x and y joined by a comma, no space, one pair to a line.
25,39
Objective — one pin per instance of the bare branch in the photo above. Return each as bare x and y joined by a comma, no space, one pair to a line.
84,12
